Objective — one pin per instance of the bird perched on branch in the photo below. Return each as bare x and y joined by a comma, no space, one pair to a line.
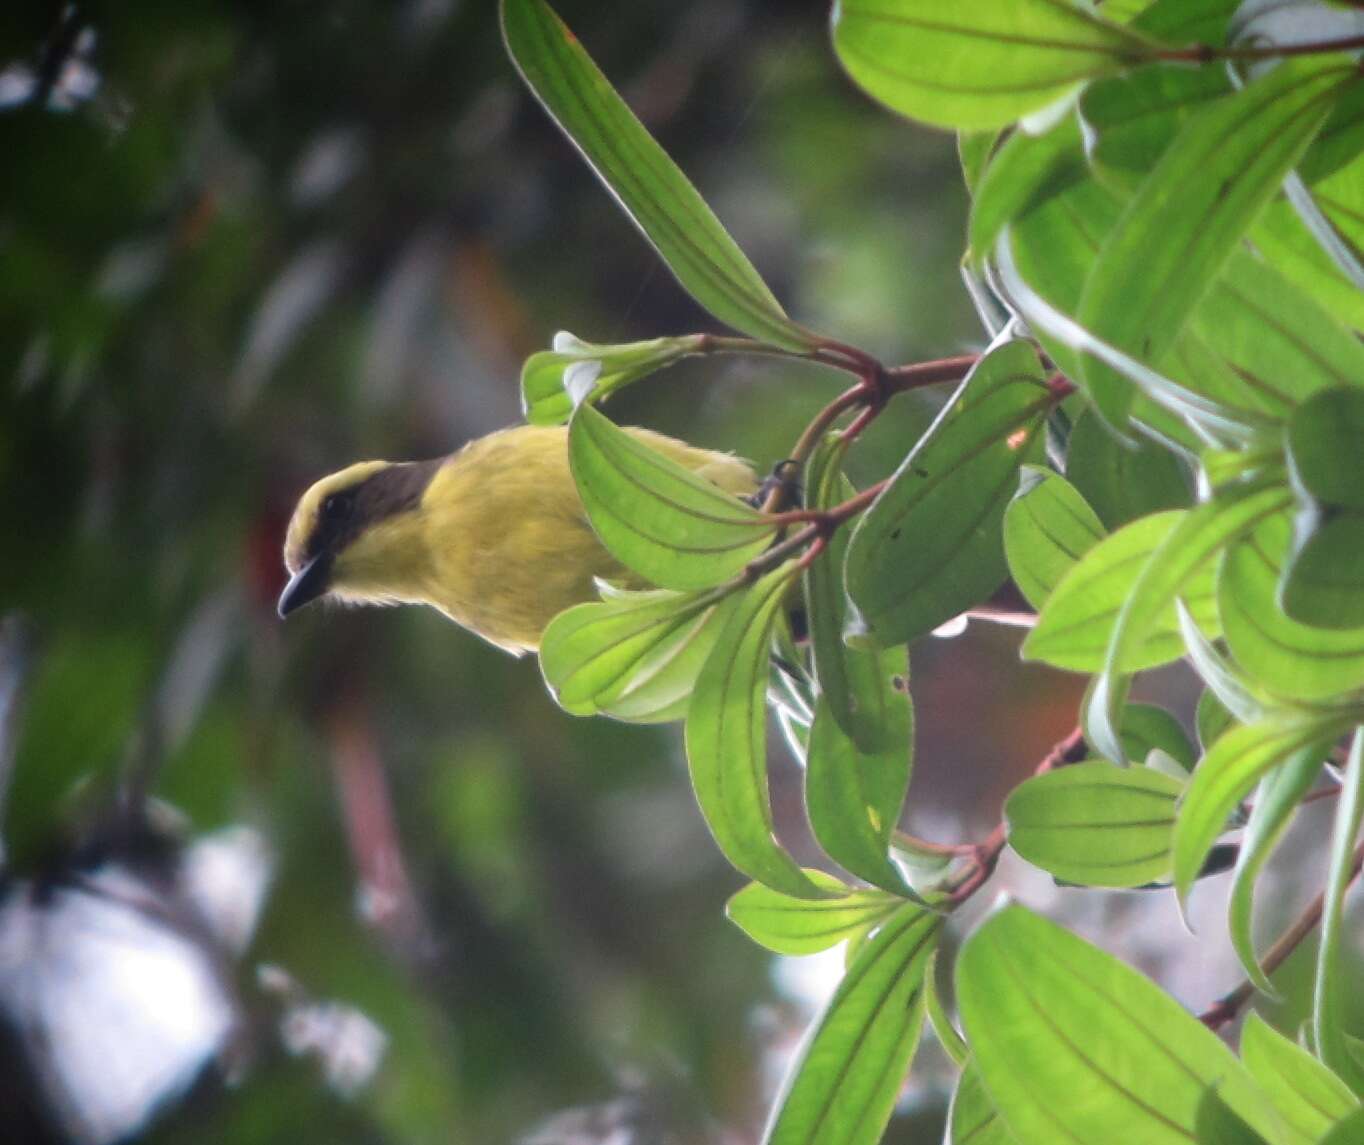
494,535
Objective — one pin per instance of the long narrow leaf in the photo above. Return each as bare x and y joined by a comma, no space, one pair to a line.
726,734
647,184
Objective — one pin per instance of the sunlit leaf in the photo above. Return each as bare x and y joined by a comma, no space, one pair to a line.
1146,728
672,527
842,1086
1232,766
789,925
1335,979
554,382
1095,824
949,1037
1048,527
1075,626
1323,579
1191,545
1235,693
1073,1045
726,735
1323,446
930,546
972,1119
977,65
1278,797
1188,215
851,680
1307,1095
632,655
1022,171
1293,659
646,183
1217,1124
853,798
1122,481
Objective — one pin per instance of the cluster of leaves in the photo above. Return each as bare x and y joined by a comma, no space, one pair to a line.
1160,446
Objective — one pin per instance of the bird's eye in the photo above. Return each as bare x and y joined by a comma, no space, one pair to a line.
337,507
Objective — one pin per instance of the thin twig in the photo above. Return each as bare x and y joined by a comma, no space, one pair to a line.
1207,53
1226,1008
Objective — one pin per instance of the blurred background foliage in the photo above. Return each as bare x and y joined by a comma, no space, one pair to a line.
356,879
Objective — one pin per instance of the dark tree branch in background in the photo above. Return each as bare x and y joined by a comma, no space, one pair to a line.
1225,1009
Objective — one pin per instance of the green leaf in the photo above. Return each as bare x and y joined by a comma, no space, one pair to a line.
1323,446
851,680
674,528
789,925
854,797
1217,1124
1348,1131
842,1087
1291,659
949,1037
1192,544
1075,1046
1131,119
972,1120
977,65
1048,527
930,546
974,148
1122,481
1335,981
555,382
1240,697
726,735
1282,239
1279,794
1232,766
1308,1096
1323,579
633,655
638,173
1211,718
1187,217
1025,169
1075,627
1146,727
1095,824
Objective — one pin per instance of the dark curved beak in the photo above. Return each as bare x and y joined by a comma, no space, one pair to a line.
306,585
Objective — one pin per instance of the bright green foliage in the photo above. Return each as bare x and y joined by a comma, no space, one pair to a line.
930,546
789,925
1277,798
1207,189
1122,480
843,1085
1217,1123
854,797
1308,1096
727,741
659,519
1076,626
632,655
972,1119
651,188
1050,1017
1095,824
1048,527
555,382
976,65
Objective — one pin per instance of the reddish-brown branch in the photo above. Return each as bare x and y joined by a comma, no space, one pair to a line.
1207,53
1226,1008
985,855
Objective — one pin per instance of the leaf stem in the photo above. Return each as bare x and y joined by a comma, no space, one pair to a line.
1226,1008
1207,53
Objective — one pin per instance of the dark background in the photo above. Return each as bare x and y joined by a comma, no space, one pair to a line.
356,878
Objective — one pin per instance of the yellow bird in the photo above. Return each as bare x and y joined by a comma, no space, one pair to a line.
494,535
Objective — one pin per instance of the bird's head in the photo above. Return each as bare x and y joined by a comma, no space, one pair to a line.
350,533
